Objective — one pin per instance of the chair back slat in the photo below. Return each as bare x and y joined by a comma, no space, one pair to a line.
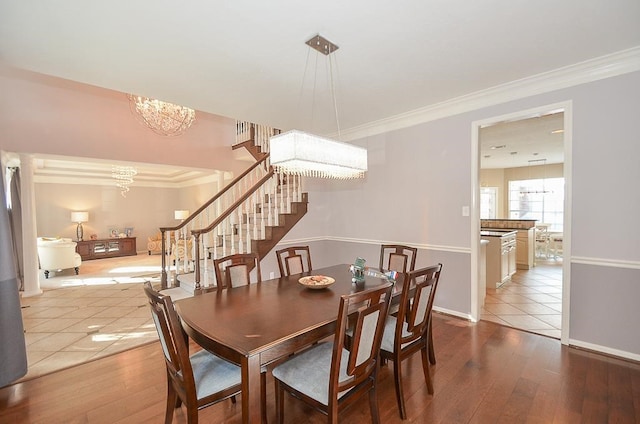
397,257
172,336
370,313
235,270
294,264
416,304
397,262
292,260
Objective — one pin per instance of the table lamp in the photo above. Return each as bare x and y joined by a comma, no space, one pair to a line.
79,217
181,215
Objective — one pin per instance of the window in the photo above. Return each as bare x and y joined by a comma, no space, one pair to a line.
541,199
488,202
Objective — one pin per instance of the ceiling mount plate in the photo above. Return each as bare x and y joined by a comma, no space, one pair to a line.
322,45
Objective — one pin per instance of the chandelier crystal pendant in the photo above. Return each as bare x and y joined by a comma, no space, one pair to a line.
163,118
124,177
300,153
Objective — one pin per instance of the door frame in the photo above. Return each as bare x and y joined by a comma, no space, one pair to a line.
567,108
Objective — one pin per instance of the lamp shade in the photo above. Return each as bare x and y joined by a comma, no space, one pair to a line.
79,217
299,153
182,214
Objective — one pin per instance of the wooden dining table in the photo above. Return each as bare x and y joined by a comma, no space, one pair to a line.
257,324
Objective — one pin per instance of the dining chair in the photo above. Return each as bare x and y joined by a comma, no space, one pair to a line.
408,332
234,270
199,380
542,241
292,260
329,377
397,257
400,258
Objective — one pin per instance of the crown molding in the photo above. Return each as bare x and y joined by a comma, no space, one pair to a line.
608,66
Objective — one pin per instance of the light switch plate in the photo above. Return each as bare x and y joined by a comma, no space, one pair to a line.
465,211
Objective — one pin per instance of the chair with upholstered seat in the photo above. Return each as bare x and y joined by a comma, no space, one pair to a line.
329,377
235,270
396,257
292,260
400,258
542,241
409,331
154,243
199,380
56,254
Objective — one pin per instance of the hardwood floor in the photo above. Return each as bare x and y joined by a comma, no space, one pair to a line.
486,373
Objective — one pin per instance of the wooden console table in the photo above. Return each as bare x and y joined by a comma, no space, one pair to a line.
106,248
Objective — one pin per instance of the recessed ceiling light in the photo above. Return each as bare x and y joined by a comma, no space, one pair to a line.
486,156
502,146
513,153
560,131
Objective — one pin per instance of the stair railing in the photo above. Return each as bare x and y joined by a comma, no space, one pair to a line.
234,219
223,224
178,241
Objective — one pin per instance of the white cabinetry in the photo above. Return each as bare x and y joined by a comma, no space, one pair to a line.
501,257
525,248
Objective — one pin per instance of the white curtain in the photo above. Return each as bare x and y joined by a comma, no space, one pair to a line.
13,353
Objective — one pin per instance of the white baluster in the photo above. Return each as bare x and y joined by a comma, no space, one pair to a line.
288,195
281,186
239,226
262,211
255,217
276,211
248,243
270,222
232,232
224,237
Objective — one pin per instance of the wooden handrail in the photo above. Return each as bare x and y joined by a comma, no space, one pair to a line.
191,217
218,221
216,197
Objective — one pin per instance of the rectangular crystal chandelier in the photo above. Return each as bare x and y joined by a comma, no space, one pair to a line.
300,153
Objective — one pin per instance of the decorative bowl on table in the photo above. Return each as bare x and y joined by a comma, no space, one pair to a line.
316,282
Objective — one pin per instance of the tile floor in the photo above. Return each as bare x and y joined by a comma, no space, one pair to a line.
101,311
532,301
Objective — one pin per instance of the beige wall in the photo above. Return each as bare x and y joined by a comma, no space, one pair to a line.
500,178
145,208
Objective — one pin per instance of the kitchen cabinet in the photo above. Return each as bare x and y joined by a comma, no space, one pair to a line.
525,248
501,257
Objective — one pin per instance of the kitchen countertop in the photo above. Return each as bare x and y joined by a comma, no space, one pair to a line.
496,233
519,224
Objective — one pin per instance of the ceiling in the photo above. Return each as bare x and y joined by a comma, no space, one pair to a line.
248,59
69,170
535,140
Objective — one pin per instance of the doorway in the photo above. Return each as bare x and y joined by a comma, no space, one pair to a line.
534,299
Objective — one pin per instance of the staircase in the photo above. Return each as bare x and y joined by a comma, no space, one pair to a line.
251,214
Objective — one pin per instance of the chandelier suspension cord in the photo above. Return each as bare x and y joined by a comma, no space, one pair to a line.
333,91
300,153
302,84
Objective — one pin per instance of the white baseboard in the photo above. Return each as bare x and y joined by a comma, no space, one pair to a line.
452,312
604,349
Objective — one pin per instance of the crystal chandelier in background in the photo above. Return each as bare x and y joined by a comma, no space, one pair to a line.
163,118
300,153
124,177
